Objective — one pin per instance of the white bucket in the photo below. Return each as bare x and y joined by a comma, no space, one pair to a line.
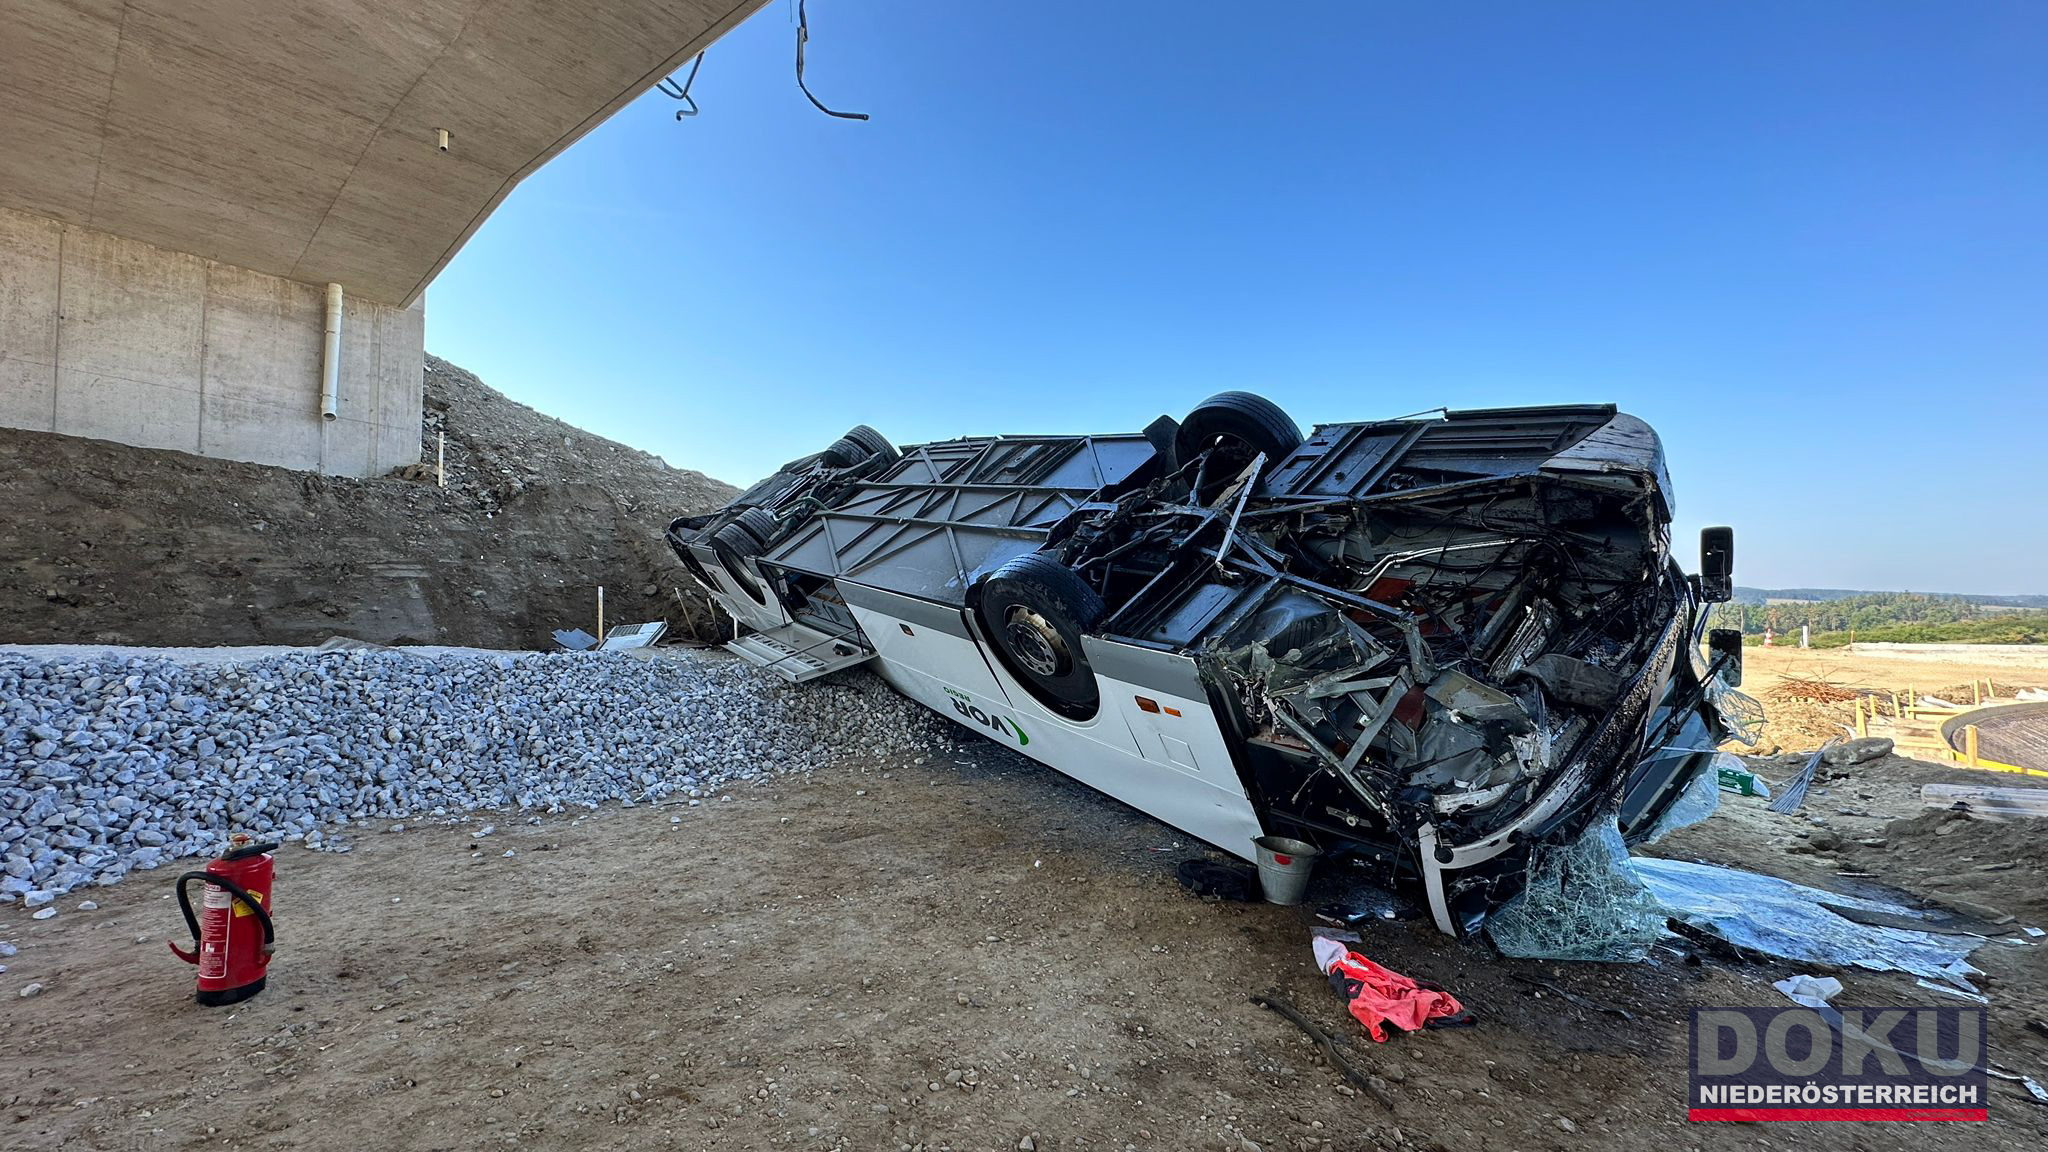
1284,866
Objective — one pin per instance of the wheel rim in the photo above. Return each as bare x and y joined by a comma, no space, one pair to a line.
1035,642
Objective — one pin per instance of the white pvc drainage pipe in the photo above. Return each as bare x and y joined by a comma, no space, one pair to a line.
330,356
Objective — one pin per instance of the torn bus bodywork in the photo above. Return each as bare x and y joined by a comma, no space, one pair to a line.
1428,644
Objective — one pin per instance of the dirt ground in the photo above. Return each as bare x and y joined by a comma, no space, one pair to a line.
112,544
1796,722
1763,668
954,955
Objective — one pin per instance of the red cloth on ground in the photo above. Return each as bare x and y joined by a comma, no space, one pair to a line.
1379,994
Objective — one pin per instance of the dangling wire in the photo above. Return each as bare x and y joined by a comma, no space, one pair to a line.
803,33
669,88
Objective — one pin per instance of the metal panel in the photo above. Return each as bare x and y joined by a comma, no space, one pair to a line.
931,660
1340,460
1145,667
904,609
949,511
1502,441
741,607
1626,445
1191,787
797,653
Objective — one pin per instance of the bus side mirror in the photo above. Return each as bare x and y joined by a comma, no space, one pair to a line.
1717,565
1725,646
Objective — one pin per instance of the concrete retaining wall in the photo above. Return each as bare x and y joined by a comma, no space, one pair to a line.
115,339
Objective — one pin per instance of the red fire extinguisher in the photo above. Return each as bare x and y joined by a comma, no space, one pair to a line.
234,939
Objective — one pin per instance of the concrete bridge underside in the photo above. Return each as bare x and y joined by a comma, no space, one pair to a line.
180,180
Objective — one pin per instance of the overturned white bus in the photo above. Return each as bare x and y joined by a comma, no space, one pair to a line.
1429,644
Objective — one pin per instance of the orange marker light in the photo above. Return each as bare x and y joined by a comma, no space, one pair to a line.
1171,711
1147,704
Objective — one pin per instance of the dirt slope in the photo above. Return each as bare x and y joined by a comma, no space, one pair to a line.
107,543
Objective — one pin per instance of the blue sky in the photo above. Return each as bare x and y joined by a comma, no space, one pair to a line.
1807,241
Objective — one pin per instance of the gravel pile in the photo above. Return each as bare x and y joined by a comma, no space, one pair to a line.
118,761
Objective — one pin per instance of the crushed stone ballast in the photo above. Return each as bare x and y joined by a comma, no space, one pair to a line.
116,761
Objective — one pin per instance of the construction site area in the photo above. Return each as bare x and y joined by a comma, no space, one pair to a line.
386,763
662,899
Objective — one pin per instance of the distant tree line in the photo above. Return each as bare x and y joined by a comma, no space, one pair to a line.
1865,612
2005,628
1747,595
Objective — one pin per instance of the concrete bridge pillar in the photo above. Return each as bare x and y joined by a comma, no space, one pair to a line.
115,339
179,183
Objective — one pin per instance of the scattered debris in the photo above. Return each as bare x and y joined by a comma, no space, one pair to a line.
1740,780
1987,802
1977,997
629,636
1213,880
1361,902
1793,792
1571,997
1954,925
348,644
1583,901
1370,1085
1774,917
1379,995
1811,991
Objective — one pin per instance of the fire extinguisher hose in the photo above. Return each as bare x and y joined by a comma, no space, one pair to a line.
237,891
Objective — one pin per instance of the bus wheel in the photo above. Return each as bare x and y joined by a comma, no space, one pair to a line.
1241,422
735,545
1033,610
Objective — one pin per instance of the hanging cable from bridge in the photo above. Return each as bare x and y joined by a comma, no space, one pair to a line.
803,33
669,88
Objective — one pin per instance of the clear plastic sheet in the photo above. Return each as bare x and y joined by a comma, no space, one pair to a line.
1740,712
1582,902
1701,799
1779,918
1591,901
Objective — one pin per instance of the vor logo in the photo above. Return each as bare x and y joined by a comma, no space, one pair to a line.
999,724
